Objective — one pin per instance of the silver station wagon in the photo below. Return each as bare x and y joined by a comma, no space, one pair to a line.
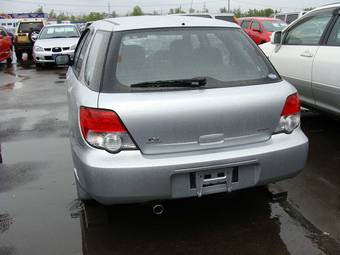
169,107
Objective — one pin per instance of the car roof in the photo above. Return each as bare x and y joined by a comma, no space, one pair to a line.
168,21
333,5
59,25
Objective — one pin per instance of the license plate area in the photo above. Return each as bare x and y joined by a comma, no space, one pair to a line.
214,180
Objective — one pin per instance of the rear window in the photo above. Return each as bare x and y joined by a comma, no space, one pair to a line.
225,57
27,27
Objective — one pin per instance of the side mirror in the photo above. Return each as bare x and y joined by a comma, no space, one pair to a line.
276,37
63,60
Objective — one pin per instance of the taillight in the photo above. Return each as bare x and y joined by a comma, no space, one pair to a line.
103,129
290,116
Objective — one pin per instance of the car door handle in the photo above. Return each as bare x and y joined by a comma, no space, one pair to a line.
306,54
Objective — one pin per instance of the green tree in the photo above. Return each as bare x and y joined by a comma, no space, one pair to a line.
137,11
179,10
171,11
40,9
191,10
114,14
223,10
238,13
52,14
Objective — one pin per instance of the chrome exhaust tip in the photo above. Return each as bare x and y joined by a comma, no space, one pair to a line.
158,209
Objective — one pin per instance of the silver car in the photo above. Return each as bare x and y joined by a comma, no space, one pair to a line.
55,40
167,107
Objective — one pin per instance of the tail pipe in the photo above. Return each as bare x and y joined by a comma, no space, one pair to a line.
158,209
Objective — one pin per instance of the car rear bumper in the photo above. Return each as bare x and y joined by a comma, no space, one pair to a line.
47,57
130,176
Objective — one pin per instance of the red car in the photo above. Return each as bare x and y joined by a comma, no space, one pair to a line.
5,46
260,28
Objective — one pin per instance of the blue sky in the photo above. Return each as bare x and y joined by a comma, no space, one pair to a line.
123,6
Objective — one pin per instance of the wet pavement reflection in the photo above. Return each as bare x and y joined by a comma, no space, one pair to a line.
39,212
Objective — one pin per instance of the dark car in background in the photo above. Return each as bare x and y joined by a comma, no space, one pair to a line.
261,28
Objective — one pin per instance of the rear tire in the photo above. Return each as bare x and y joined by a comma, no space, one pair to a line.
82,194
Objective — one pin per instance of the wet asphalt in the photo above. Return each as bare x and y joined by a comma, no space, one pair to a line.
39,212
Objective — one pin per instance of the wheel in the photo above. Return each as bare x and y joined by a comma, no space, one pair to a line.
82,194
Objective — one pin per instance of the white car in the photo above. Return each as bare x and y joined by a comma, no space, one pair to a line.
55,40
307,54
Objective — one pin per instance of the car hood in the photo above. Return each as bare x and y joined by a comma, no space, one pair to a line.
56,42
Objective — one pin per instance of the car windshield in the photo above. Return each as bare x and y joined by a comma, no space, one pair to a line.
274,25
27,27
59,32
225,57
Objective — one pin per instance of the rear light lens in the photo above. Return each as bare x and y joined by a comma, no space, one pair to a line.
103,129
290,116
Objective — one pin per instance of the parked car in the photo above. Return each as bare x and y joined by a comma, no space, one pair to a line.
289,17
261,28
165,107
55,40
5,46
307,54
220,16
26,33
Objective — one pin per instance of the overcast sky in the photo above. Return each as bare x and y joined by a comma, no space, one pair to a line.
123,6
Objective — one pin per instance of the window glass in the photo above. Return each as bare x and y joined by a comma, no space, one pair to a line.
95,59
274,25
226,18
309,32
245,23
255,25
334,38
291,17
224,56
281,17
59,32
81,50
28,27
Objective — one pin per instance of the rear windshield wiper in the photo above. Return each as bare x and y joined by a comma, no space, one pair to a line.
194,82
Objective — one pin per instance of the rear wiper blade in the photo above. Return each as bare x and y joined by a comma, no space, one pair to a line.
194,82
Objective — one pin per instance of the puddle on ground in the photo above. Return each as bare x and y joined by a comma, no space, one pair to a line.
11,86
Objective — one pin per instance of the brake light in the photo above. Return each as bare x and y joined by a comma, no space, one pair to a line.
290,116
292,105
103,129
